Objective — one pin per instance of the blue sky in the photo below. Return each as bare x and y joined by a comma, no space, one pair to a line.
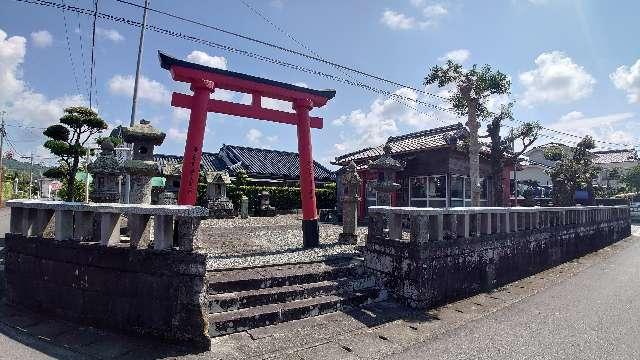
572,63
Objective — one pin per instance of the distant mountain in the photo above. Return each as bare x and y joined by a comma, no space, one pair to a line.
23,166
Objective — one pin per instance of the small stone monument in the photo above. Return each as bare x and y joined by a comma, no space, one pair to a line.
106,172
351,182
141,167
220,207
265,209
244,207
171,173
387,167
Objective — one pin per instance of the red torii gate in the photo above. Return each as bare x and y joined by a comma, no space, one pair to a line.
204,80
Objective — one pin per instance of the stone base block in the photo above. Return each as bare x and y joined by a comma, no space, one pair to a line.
350,239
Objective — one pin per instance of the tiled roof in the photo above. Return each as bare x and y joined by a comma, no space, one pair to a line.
615,156
416,141
258,163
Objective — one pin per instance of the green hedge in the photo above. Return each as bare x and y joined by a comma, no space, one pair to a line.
282,198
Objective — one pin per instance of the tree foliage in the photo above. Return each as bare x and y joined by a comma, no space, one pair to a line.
67,141
471,89
501,148
631,178
574,169
474,83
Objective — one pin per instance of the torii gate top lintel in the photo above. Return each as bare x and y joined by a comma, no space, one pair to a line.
204,80
186,71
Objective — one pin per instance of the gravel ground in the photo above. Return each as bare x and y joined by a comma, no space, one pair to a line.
265,241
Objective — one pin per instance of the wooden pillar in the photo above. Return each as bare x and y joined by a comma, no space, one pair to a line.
310,230
202,90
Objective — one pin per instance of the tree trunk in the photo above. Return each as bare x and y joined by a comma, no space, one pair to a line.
474,152
71,179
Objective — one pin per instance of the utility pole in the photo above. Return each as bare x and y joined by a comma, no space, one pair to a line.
515,177
134,102
86,177
2,134
30,172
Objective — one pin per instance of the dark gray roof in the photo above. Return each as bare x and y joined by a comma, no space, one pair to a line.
416,141
256,162
615,156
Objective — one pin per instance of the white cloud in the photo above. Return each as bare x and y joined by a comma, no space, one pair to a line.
556,79
606,127
257,138
398,21
436,10
23,104
202,58
42,38
147,89
417,3
458,56
109,34
628,79
381,120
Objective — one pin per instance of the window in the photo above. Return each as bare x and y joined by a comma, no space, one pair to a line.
428,191
457,191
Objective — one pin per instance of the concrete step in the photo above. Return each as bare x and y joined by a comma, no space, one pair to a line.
258,297
230,322
227,281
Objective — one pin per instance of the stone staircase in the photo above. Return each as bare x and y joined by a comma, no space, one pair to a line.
255,297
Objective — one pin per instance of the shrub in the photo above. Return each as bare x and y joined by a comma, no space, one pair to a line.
282,198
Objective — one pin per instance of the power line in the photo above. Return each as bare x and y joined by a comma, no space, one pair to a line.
93,47
82,55
314,53
66,35
232,50
264,58
315,56
278,47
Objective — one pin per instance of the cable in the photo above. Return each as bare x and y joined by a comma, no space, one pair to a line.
66,35
314,55
258,56
93,47
291,51
309,50
84,58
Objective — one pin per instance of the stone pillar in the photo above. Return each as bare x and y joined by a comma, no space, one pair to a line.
140,189
244,207
350,200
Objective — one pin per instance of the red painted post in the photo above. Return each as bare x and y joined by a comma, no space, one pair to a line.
202,90
310,230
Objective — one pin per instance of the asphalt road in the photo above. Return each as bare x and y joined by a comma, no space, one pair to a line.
593,315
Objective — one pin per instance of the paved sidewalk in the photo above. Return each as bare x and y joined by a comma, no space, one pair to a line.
593,315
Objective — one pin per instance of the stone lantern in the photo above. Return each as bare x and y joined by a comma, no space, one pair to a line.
141,167
219,205
351,183
106,175
387,168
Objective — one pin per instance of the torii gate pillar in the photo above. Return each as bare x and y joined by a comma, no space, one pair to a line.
310,230
204,80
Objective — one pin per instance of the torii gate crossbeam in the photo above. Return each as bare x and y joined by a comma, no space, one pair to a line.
204,80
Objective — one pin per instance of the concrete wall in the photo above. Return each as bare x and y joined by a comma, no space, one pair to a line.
145,292
436,273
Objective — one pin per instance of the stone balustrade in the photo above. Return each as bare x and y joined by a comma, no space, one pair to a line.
426,257
75,221
439,224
